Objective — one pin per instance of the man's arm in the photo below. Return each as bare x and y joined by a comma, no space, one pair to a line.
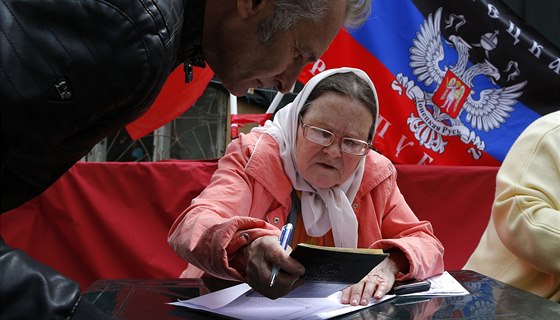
31,290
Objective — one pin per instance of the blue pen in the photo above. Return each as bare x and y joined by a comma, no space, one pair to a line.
285,238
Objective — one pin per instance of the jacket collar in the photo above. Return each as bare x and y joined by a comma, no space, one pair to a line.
266,167
190,52
378,168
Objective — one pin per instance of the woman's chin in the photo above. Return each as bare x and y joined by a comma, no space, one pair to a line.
323,183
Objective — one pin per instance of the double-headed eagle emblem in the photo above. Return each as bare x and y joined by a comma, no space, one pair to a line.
439,112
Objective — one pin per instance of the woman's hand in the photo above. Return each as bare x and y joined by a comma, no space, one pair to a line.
378,282
261,255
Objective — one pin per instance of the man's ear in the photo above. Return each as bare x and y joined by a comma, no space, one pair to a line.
248,8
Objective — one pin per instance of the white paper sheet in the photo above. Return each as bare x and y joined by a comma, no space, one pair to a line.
314,300
442,285
306,302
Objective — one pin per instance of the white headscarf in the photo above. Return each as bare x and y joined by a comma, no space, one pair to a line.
322,209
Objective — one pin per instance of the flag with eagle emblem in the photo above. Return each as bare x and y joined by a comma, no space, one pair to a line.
458,81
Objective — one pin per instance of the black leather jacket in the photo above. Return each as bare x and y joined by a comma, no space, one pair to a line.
31,290
72,73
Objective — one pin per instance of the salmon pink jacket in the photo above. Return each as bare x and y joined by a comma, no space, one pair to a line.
249,197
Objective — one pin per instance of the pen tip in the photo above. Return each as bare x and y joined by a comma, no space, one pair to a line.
272,280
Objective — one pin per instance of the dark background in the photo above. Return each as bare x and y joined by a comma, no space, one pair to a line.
543,15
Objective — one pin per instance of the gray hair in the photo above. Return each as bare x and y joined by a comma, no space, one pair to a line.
348,84
288,12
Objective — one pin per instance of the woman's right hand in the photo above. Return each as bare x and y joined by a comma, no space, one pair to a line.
262,254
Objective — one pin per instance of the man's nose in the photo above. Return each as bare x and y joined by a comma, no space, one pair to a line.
287,79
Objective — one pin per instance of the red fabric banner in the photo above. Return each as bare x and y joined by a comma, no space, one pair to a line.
174,99
111,219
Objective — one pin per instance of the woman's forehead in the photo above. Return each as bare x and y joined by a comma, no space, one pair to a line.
348,117
335,104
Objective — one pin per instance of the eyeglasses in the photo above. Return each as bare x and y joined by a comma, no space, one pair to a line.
326,138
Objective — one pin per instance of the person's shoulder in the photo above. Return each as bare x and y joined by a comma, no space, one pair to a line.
257,147
375,160
263,156
542,129
545,123
534,145
378,168
252,139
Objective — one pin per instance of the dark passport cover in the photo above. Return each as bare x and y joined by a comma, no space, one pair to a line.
336,264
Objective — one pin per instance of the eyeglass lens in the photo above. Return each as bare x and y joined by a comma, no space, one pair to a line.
326,138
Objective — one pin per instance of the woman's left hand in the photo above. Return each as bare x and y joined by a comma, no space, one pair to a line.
376,284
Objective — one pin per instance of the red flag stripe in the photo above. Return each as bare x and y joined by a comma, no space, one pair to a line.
175,98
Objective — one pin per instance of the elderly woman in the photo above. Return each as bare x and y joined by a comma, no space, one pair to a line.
319,147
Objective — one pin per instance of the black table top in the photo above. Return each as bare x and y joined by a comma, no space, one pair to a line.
488,299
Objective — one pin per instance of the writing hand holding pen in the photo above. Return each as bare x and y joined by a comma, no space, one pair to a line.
260,255
285,238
